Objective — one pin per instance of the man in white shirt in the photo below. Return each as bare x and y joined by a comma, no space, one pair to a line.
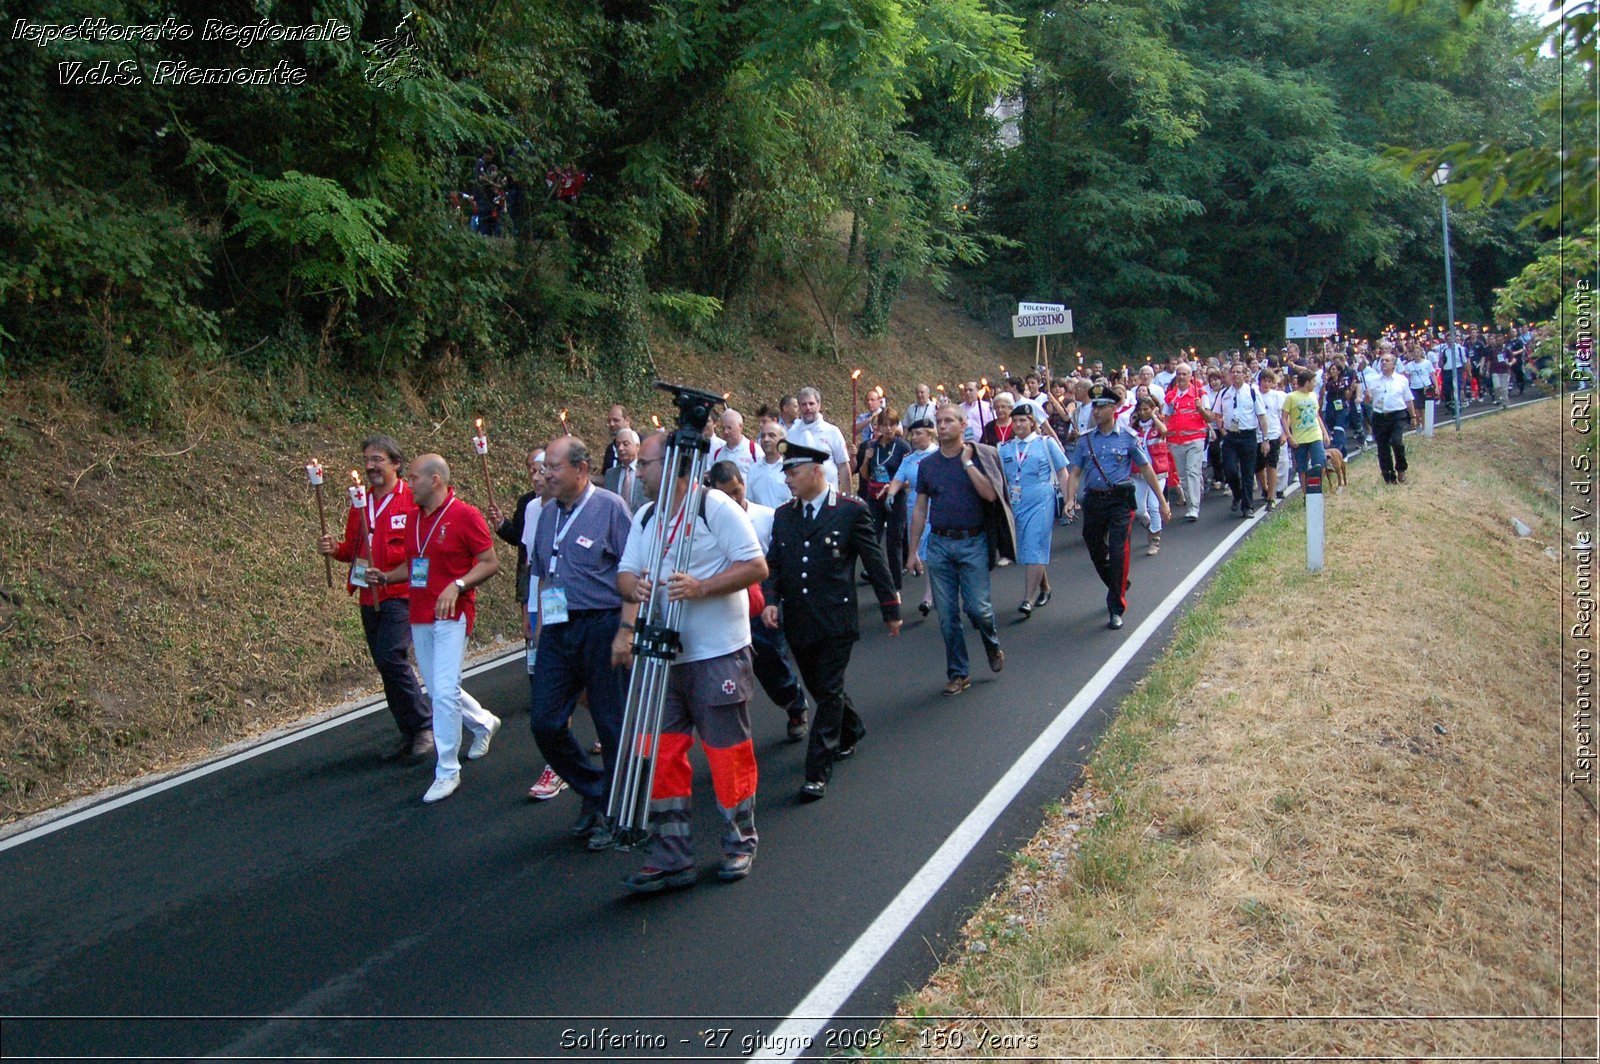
736,446
1167,375
711,680
764,482
921,410
811,430
1452,361
1242,416
1391,412
977,409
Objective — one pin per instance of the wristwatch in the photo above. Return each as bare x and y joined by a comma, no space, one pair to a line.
968,464
461,586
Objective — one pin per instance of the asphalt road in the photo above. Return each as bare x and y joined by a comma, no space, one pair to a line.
305,903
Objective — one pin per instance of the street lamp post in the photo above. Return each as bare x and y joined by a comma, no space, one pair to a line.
1440,177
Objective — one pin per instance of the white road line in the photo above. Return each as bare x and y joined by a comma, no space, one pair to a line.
825,1000
97,807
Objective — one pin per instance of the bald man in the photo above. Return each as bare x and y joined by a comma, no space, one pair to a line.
449,553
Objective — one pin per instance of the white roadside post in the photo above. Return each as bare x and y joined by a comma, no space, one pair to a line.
1314,526
1427,419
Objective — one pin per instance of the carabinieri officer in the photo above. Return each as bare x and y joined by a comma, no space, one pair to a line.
811,581
1106,458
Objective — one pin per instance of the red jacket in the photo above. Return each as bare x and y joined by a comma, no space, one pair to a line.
392,518
1186,423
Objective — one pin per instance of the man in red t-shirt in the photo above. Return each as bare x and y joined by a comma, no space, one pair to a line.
1186,437
385,611
448,554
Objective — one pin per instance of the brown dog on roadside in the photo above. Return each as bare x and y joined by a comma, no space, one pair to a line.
1333,470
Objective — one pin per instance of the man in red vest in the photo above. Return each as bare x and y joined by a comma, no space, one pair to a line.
385,611
1186,437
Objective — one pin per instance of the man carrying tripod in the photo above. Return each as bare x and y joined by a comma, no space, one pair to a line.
710,679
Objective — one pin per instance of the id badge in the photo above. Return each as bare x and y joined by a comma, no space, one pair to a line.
553,605
533,655
1338,404
1016,495
358,574
419,572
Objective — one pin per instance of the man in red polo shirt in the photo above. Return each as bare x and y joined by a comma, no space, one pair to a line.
385,611
1186,437
448,554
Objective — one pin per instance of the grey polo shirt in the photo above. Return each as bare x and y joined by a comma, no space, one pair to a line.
586,558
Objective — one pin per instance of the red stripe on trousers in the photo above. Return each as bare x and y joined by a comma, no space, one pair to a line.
1127,558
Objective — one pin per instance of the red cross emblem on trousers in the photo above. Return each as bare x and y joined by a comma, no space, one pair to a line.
728,687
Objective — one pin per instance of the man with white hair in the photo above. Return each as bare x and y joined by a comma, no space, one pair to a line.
449,553
810,430
764,481
921,410
623,478
736,446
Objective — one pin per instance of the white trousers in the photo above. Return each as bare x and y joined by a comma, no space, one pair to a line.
440,647
1189,459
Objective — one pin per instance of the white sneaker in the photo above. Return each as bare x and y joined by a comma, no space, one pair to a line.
442,789
548,786
480,743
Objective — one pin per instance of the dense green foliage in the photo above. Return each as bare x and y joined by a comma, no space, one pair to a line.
1187,168
1205,168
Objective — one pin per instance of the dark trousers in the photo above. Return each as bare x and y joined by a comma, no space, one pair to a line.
1448,376
1239,450
573,657
1107,524
388,630
836,724
1214,460
889,522
1390,429
768,650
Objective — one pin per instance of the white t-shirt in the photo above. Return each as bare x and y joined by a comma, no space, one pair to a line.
530,525
761,518
745,455
710,627
824,436
1273,401
1419,372
764,484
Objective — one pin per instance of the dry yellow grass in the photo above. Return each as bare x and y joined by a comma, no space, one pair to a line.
160,597
1337,798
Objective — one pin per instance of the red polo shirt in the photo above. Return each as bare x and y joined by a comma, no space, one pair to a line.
390,519
451,538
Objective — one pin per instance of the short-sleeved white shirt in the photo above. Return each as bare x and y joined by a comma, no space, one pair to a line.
824,436
764,483
710,627
1273,401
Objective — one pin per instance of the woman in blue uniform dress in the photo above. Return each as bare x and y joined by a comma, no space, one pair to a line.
1033,464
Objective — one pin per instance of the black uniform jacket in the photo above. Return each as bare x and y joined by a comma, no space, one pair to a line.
811,569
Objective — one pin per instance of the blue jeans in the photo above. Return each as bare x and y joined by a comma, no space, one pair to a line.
961,567
1309,456
575,656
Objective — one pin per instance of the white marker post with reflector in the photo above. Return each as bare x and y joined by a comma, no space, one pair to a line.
1314,523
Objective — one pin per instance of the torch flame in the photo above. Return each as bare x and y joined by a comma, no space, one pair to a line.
479,423
355,478
855,374
655,421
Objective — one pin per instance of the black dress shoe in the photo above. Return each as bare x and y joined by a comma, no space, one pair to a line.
652,880
1026,609
1043,598
590,818
845,753
811,790
924,609
735,866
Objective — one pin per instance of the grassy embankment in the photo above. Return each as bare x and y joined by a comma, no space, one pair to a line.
160,597
1336,796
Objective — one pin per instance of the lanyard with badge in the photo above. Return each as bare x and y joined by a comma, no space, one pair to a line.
419,564
358,571
553,600
1020,457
